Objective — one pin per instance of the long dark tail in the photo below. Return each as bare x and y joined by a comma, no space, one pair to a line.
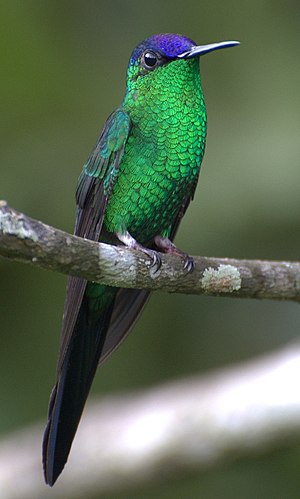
72,387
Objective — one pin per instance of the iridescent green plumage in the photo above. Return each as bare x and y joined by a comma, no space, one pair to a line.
134,189
160,166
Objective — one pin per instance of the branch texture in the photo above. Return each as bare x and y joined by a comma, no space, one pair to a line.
164,433
30,241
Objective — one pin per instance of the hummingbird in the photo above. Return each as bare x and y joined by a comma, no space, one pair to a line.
134,190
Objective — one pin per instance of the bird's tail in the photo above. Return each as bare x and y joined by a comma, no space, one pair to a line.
73,384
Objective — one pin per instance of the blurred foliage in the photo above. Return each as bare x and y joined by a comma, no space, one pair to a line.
63,69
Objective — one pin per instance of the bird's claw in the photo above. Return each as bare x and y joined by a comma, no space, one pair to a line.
167,246
188,263
155,259
130,242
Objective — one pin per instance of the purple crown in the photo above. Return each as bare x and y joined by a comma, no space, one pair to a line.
167,44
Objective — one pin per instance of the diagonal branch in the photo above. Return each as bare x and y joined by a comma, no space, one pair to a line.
163,433
30,241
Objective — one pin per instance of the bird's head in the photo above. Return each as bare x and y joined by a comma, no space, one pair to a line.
158,51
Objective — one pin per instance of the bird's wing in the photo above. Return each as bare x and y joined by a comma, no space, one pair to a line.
128,306
93,192
183,209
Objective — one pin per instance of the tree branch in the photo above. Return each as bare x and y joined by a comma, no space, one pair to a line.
166,432
30,241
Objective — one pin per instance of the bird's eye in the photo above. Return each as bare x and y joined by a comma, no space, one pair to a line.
149,60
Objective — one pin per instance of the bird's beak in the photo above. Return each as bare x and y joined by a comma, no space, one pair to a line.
204,49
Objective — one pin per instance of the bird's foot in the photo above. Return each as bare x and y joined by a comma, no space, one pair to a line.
165,245
130,242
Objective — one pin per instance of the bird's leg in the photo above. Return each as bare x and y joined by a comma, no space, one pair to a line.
130,242
165,245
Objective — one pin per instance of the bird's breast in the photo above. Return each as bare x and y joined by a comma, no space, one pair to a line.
157,173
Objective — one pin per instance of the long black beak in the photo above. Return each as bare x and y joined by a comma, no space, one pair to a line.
204,49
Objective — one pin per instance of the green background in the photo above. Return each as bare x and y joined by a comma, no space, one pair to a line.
63,67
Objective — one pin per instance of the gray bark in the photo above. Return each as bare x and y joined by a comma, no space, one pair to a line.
30,241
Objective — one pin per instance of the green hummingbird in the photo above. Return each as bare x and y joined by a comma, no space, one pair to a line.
134,189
